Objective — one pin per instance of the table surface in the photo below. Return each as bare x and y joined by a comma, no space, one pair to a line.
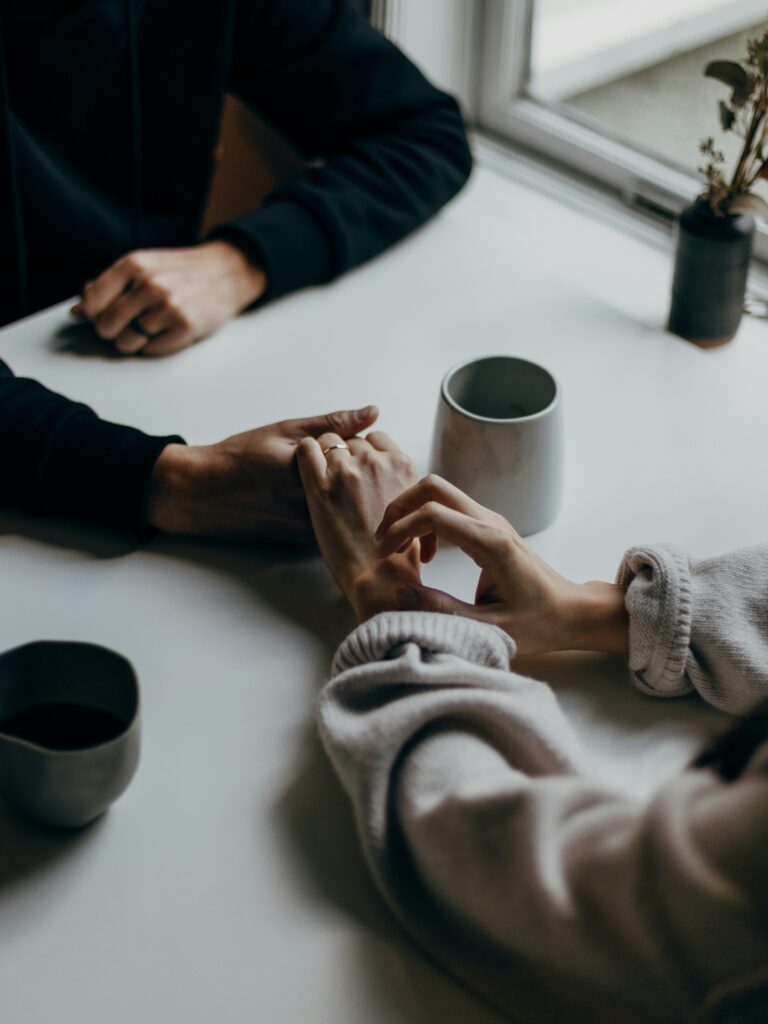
227,881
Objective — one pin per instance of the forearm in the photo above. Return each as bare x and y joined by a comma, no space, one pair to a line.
59,458
393,152
594,618
549,894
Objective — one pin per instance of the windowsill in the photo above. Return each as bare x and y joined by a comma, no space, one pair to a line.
604,206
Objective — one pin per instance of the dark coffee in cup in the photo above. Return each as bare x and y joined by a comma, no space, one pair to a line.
69,730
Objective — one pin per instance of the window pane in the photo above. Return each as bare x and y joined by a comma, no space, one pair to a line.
634,68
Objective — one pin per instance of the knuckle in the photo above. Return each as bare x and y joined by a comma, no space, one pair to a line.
392,511
501,538
104,328
131,263
431,511
431,482
333,421
347,469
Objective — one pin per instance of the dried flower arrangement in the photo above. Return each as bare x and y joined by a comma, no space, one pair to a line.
745,114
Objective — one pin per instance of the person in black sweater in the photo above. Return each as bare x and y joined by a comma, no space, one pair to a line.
110,118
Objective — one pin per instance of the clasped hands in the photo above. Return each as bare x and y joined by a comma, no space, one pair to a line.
376,524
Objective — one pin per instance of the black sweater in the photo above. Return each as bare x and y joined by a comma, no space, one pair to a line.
110,117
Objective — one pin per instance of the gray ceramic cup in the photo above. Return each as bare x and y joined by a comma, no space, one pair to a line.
499,438
69,730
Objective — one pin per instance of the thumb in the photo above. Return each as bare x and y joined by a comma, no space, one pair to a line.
345,423
424,599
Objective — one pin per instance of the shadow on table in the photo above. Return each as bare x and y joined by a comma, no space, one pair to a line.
28,850
320,844
80,339
95,542
601,684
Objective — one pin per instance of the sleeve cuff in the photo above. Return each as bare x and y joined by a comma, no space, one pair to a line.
659,605
98,472
381,637
287,240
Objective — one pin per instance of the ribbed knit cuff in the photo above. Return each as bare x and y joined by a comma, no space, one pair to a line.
659,605
287,240
380,637
98,472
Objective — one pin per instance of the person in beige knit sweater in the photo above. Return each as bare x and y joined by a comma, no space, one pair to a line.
552,896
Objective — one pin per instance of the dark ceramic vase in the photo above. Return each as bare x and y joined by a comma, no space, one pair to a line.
711,265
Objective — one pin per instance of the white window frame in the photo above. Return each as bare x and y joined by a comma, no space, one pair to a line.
504,107
491,75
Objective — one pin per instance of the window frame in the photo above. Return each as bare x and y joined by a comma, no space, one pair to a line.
493,85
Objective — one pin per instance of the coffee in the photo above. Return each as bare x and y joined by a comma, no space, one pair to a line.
61,726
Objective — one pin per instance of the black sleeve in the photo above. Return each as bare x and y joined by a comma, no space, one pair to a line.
58,458
394,148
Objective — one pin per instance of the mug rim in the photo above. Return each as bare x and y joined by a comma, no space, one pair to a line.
493,419
71,753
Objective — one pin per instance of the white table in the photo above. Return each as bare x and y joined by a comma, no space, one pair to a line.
226,884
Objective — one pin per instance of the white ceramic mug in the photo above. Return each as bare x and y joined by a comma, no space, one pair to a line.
499,437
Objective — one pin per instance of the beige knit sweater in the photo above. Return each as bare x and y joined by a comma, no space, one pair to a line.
552,896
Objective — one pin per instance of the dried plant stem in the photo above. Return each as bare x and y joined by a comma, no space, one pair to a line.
758,116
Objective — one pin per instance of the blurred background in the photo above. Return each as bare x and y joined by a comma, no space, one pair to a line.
635,69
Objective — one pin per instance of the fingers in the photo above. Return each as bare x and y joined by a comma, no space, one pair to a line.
473,537
156,327
357,445
170,341
312,464
98,295
431,488
331,441
427,548
345,423
424,599
114,320
382,442
131,341
155,321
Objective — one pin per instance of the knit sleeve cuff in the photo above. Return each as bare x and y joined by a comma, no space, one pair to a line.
658,601
380,638
287,239
98,472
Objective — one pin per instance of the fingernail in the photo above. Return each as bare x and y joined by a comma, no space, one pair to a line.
407,599
363,415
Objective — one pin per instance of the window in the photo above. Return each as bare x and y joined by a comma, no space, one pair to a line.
613,89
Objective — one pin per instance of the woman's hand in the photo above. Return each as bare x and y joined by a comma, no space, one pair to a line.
158,301
517,590
347,492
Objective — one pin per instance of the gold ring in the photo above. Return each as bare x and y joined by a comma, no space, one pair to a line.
335,447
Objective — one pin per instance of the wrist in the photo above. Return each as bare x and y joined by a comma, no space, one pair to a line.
248,279
596,619
174,492
373,589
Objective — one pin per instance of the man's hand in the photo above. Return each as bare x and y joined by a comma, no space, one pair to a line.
246,487
158,301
